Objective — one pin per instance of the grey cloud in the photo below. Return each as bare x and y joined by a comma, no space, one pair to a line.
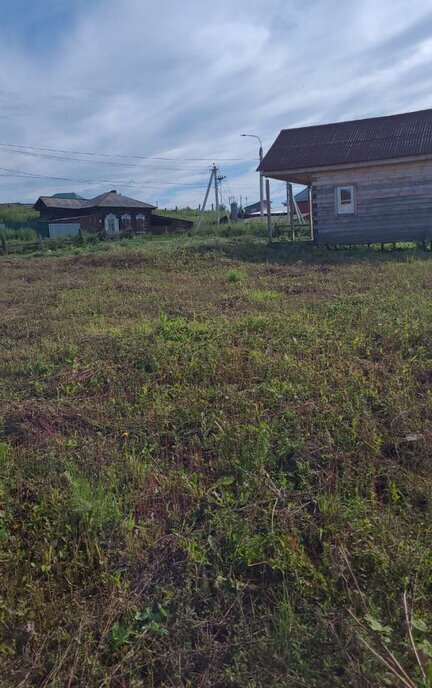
184,79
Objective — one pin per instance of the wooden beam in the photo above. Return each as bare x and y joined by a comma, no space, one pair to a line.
291,210
311,213
269,222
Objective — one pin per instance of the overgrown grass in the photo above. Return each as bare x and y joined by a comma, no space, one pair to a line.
18,235
210,480
17,213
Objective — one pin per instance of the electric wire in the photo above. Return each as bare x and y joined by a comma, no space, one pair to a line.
23,175
100,162
116,155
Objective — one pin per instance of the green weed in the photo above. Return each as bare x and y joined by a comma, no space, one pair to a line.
215,464
262,295
235,276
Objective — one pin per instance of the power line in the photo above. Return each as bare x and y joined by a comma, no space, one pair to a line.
100,162
227,193
230,191
156,185
134,157
142,182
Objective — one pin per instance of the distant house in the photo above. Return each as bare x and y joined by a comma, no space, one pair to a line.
302,200
371,179
253,208
109,213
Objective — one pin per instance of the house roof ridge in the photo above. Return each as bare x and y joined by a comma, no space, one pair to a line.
360,120
364,140
108,199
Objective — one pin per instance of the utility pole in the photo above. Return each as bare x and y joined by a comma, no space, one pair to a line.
261,182
206,198
216,187
269,222
217,179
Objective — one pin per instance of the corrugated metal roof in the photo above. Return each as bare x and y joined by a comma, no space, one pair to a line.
69,194
363,140
52,202
114,200
111,199
302,195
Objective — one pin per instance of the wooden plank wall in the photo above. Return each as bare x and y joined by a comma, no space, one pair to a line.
394,203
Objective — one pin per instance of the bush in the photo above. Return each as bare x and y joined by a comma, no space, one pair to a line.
235,276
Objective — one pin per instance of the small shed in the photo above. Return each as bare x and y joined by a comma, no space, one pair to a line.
68,226
370,180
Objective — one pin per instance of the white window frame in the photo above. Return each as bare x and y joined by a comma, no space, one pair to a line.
114,227
343,208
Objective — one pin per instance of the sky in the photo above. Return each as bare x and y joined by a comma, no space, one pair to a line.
145,96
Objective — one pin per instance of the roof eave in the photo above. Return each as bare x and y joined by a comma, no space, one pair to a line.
283,174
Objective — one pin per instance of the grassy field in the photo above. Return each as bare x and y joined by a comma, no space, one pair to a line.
17,213
215,466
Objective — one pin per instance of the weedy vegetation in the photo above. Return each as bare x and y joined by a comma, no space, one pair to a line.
215,466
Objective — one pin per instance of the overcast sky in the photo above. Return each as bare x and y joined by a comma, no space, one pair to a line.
183,80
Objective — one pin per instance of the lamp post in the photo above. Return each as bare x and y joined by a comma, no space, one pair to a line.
253,136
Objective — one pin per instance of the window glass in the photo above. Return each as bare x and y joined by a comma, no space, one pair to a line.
126,222
141,223
345,200
345,196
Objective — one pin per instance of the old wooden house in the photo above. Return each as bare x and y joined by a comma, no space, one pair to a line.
370,180
109,213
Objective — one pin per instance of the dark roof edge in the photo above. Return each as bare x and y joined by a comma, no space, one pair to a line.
360,119
345,165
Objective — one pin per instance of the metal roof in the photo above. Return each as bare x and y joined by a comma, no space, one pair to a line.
114,200
111,199
363,140
51,202
69,194
302,195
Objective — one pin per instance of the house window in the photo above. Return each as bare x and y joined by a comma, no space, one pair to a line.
126,222
141,222
345,200
111,224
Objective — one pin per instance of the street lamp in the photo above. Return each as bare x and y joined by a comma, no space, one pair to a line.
253,136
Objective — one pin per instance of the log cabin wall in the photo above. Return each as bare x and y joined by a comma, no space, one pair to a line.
393,203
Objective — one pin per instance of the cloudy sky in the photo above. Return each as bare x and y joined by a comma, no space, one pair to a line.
143,96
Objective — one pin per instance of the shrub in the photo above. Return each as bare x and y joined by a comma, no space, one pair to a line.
235,276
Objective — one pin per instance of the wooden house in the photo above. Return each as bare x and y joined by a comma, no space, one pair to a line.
302,203
109,213
370,180
254,209
302,200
